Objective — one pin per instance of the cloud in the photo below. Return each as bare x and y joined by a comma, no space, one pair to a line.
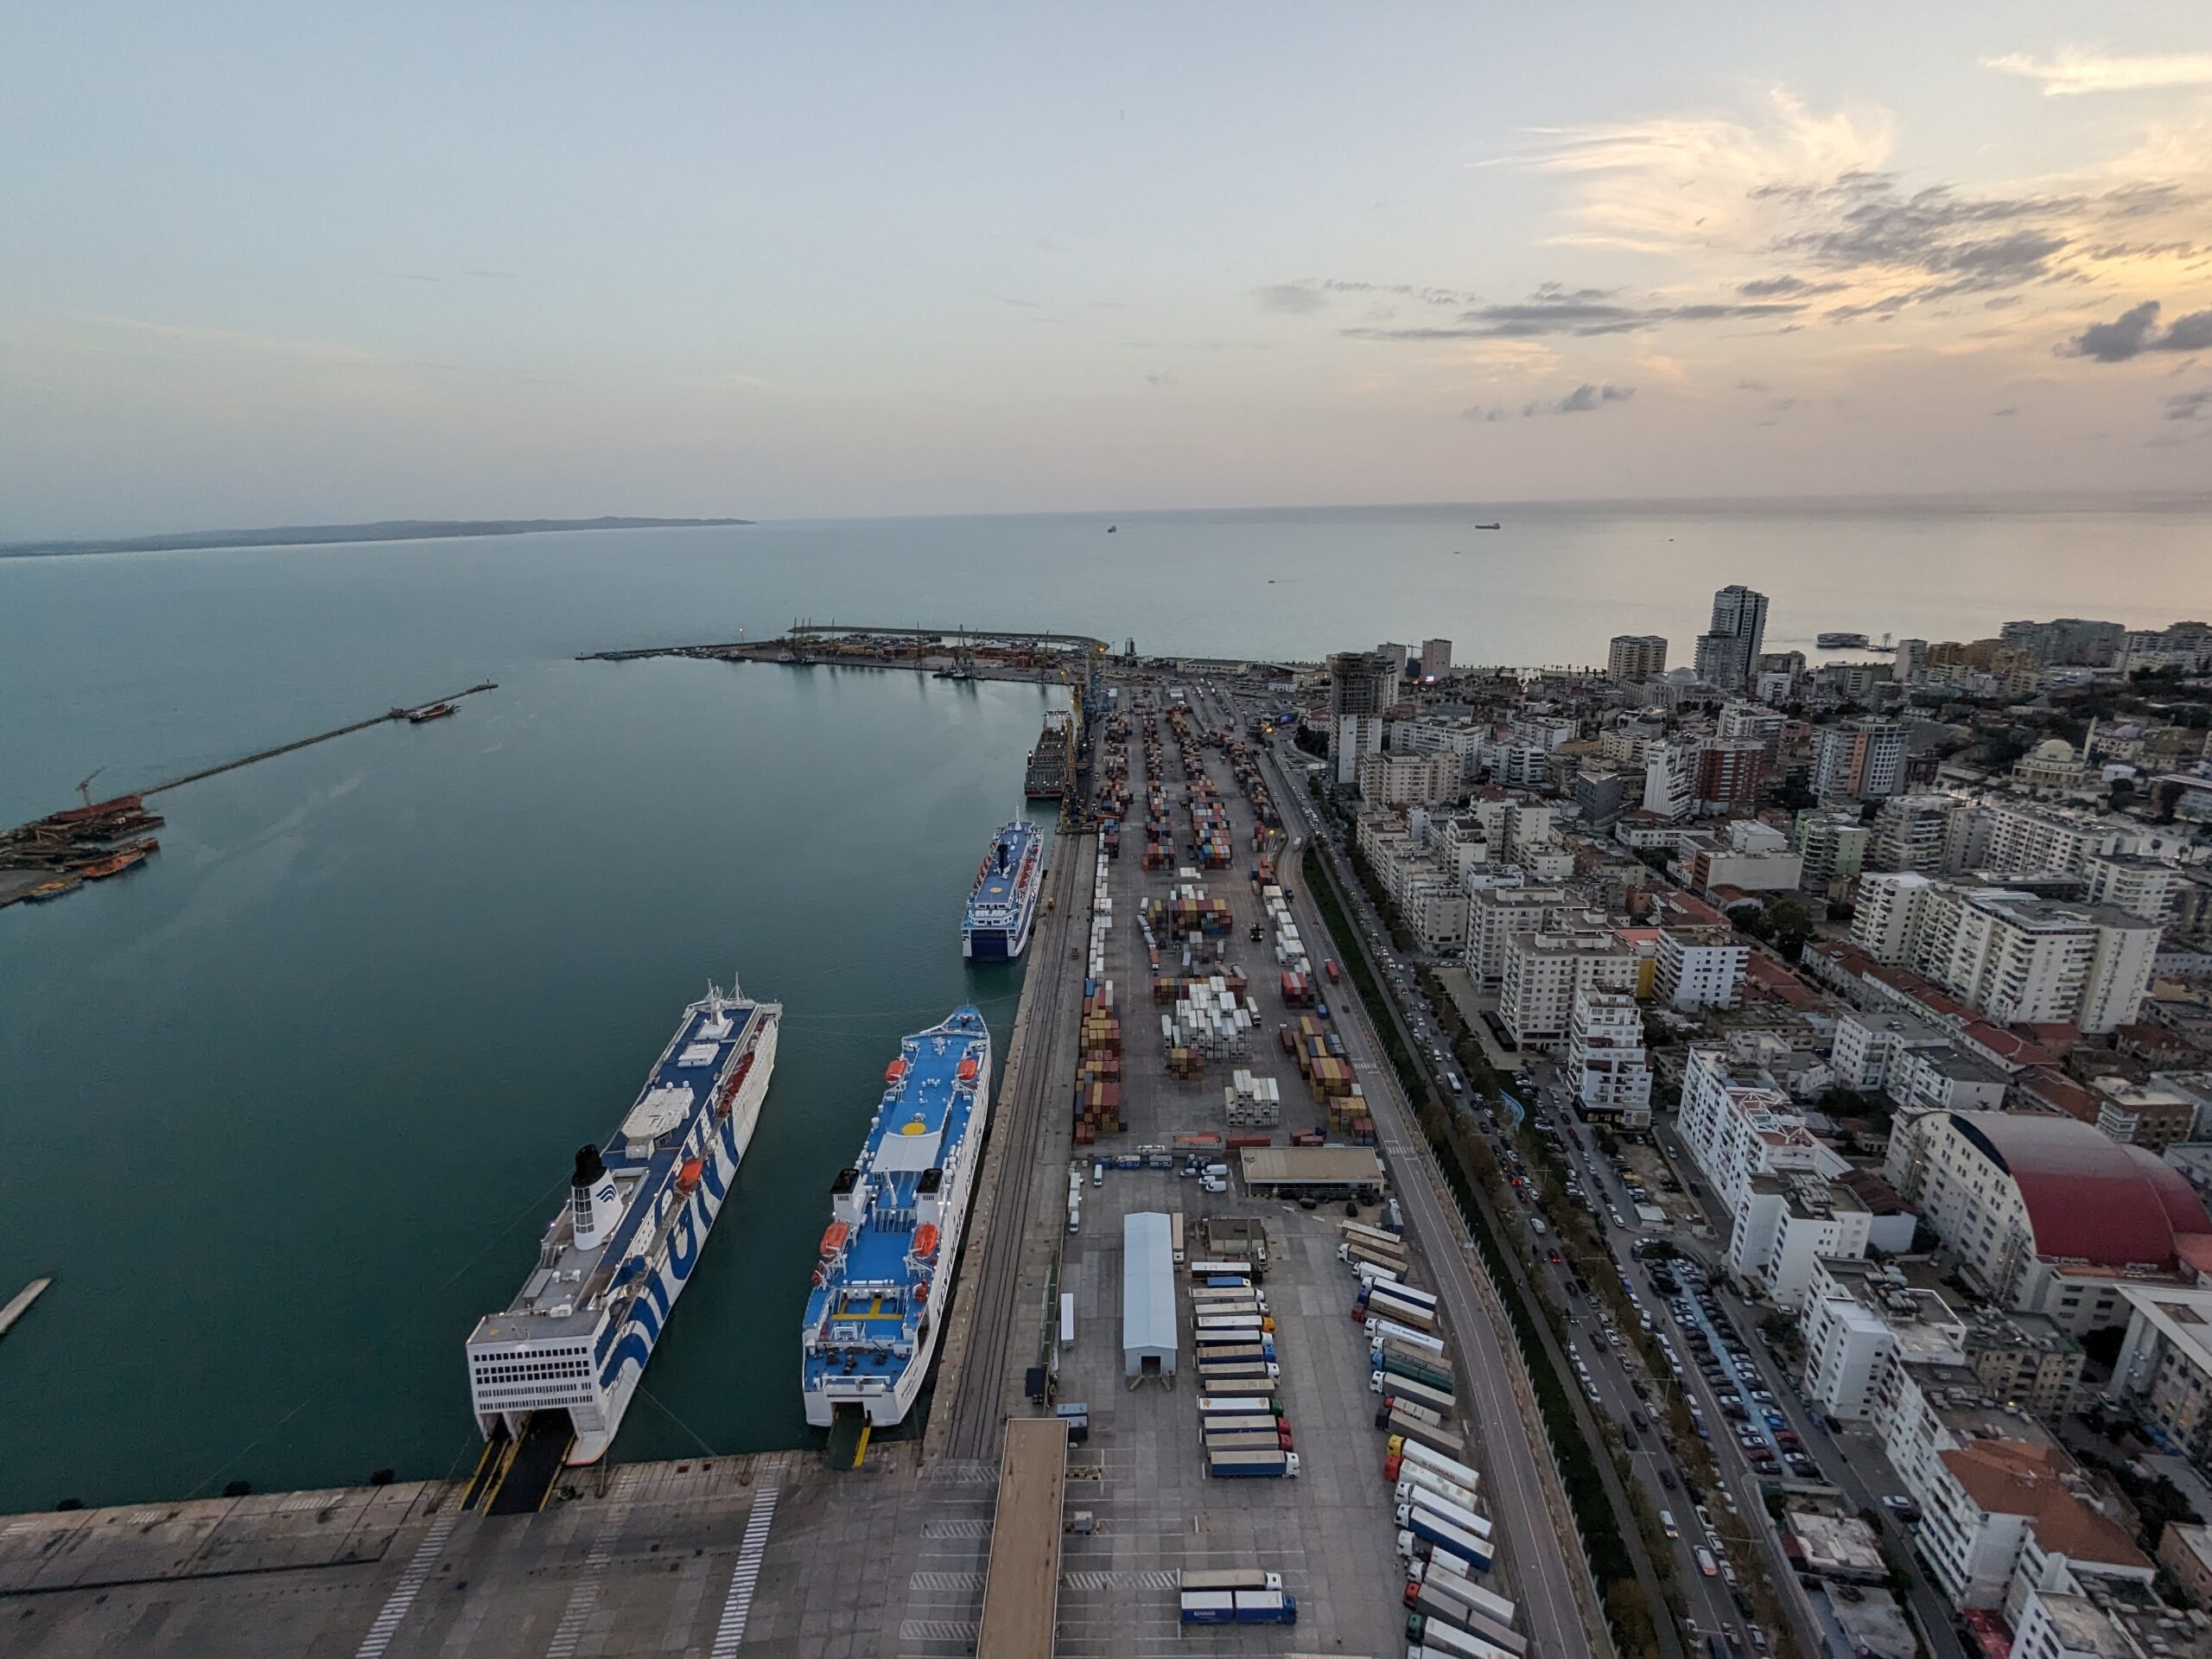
2075,72
1768,288
2188,405
1291,299
2136,331
1585,398
1583,312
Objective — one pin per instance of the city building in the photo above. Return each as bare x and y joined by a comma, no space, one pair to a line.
1833,846
1632,658
2047,1215
1353,737
1860,1321
1605,1065
1859,760
2070,641
1753,722
2149,888
1546,972
1729,772
1754,857
2017,837
1996,1508
1498,915
1728,653
1435,659
1362,683
2015,957
1670,777
2027,1362
1702,967
1915,833
1430,779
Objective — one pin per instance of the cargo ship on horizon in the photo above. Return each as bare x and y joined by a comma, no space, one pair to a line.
1002,905
877,1307
563,1360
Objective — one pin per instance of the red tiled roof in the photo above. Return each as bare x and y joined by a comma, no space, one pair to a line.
2012,1478
1778,982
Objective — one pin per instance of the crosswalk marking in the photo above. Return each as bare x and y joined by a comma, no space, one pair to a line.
409,1587
738,1607
584,1598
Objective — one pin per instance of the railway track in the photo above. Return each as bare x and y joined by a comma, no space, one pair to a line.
1047,1038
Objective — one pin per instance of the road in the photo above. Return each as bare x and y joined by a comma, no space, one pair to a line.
1550,1610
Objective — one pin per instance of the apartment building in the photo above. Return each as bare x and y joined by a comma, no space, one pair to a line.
2023,838
2164,1367
1859,760
1832,846
1917,833
1498,915
1607,1065
2049,1216
1753,722
1860,1321
1545,972
1997,1511
2010,955
1728,773
1670,776
1702,967
1728,652
1632,658
2147,887
1428,780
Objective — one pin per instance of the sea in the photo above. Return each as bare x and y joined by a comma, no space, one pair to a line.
286,1110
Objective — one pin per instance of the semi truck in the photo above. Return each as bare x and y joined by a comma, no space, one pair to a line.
1432,1435
1380,1331
1435,1639
1229,1578
1238,1405
1239,1607
1414,1479
1428,1526
1409,1389
1476,1604
1450,1468
1275,1465
1424,1501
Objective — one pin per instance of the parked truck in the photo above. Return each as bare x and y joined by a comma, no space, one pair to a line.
1229,1578
1476,1607
1424,1501
1414,1479
1380,1331
1407,1389
1238,1405
1436,1638
1439,1534
1239,1607
1275,1465
1434,1436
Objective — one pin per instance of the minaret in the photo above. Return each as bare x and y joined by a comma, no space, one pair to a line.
592,1202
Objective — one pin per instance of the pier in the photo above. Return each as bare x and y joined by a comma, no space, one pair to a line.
51,856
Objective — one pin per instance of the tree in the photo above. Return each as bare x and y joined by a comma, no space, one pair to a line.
1790,928
1314,743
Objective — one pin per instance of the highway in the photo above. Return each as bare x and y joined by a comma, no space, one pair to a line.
1544,1582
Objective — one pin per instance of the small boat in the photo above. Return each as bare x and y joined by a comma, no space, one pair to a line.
1490,526
1111,529
116,864
53,889
435,711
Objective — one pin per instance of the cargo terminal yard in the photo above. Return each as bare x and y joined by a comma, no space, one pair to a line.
1189,1126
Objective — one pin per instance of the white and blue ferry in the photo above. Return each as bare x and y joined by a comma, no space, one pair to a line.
872,1318
613,1260
1002,908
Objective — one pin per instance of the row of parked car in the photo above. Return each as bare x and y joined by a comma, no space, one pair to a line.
1725,1361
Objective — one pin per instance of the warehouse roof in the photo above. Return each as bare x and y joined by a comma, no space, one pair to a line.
1148,1287
2088,1199
1317,1165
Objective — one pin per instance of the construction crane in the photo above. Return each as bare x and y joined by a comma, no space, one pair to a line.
85,785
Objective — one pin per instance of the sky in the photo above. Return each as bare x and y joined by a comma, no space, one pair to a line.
284,263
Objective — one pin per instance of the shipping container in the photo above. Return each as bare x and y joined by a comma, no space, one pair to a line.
1238,1405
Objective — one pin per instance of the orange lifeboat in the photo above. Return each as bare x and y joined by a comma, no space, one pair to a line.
895,1071
968,1069
833,1238
926,1240
687,1177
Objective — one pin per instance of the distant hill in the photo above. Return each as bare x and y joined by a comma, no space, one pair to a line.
388,530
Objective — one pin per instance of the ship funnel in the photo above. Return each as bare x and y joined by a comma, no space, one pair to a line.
594,1205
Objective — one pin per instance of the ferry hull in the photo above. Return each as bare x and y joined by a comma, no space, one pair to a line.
634,1342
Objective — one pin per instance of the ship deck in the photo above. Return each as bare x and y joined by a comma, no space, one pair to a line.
866,1300
998,896
693,1060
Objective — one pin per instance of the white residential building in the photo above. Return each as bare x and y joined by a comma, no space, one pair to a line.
1498,915
1544,974
1702,967
1429,779
1607,1065
1917,833
2009,955
2148,888
1670,772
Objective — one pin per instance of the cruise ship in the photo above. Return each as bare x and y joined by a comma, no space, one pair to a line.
573,1344
873,1316
1002,907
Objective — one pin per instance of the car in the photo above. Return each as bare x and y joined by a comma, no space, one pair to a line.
1904,1508
1667,1521
1667,1478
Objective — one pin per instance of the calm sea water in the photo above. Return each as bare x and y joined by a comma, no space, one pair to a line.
286,1110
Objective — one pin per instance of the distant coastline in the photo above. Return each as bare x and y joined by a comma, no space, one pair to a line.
385,529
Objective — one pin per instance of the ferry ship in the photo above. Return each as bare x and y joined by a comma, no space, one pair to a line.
874,1317
1002,907
574,1343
